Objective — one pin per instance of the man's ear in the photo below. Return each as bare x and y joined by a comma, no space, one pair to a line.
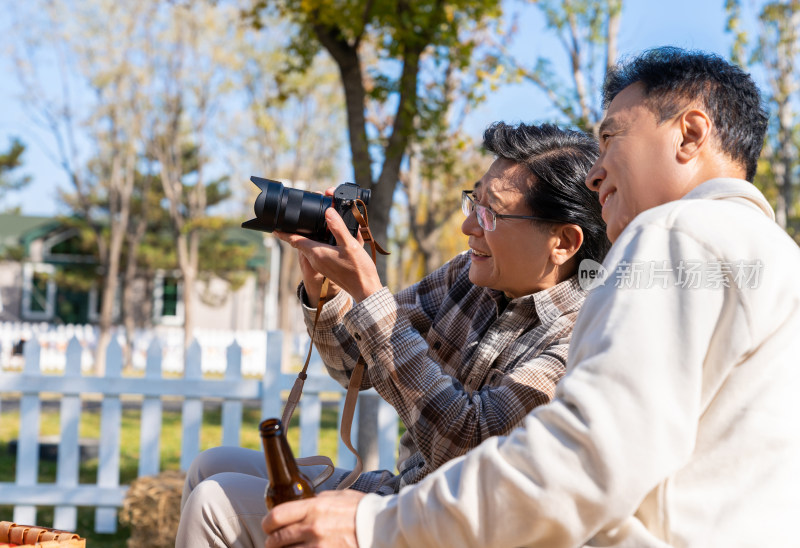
568,240
695,126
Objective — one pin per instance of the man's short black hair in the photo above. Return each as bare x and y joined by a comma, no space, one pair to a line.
674,78
559,160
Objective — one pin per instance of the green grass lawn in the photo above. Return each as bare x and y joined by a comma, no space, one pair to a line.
170,453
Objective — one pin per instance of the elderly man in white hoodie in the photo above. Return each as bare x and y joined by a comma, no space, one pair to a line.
677,421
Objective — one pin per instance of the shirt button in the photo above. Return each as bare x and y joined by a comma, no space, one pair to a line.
356,336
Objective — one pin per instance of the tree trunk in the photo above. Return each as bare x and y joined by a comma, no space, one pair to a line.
783,89
349,63
287,300
110,284
287,290
612,32
347,59
189,274
121,188
128,307
134,240
394,152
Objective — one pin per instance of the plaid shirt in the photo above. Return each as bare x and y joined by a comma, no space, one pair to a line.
458,362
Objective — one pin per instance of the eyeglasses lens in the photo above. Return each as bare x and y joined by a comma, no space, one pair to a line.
484,214
485,217
466,204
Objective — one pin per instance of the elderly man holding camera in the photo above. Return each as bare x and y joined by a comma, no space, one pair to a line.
463,355
676,423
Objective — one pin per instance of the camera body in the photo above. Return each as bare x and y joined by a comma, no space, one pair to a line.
299,212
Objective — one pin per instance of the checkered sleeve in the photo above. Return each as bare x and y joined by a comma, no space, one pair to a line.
339,350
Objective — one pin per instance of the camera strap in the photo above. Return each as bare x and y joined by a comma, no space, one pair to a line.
356,377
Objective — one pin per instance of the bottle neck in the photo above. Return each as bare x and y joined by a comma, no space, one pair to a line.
281,466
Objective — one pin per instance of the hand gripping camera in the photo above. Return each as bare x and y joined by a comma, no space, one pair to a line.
298,212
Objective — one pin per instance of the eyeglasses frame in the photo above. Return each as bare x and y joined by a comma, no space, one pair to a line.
468,195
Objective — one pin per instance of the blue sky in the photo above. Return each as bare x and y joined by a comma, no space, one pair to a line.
690,24
693,24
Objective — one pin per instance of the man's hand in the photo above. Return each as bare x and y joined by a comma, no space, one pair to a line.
347,264
326,521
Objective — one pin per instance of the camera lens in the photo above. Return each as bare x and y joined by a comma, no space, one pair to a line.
289,210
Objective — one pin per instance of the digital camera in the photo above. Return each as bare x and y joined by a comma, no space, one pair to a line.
299,212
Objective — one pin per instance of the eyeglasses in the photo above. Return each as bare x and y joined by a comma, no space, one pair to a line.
487,219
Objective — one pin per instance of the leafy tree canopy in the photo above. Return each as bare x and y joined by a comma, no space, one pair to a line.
10,161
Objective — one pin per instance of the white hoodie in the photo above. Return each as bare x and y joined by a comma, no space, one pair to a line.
677,421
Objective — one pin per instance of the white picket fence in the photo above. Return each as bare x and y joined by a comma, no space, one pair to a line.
106,495
53,340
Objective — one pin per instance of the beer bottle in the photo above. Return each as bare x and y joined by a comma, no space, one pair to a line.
286,483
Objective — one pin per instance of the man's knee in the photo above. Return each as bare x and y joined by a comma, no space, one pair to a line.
208,462
205,494
204,465
206,515
226,495
217,460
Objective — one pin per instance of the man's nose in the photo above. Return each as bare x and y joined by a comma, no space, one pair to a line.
595,177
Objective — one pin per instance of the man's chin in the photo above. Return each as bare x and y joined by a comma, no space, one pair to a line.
614,230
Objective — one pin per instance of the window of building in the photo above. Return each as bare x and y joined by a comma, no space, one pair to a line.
68,246
168,299
38,291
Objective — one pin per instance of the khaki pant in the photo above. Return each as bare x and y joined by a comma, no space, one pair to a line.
223,498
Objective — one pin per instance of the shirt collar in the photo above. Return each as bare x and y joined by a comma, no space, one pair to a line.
549,304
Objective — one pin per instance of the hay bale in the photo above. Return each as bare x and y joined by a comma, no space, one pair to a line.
152,509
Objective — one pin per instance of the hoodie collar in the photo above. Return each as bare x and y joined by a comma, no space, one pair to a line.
732,189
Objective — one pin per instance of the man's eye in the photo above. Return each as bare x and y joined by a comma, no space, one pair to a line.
605,137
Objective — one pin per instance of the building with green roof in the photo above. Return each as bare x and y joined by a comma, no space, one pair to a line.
45,265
